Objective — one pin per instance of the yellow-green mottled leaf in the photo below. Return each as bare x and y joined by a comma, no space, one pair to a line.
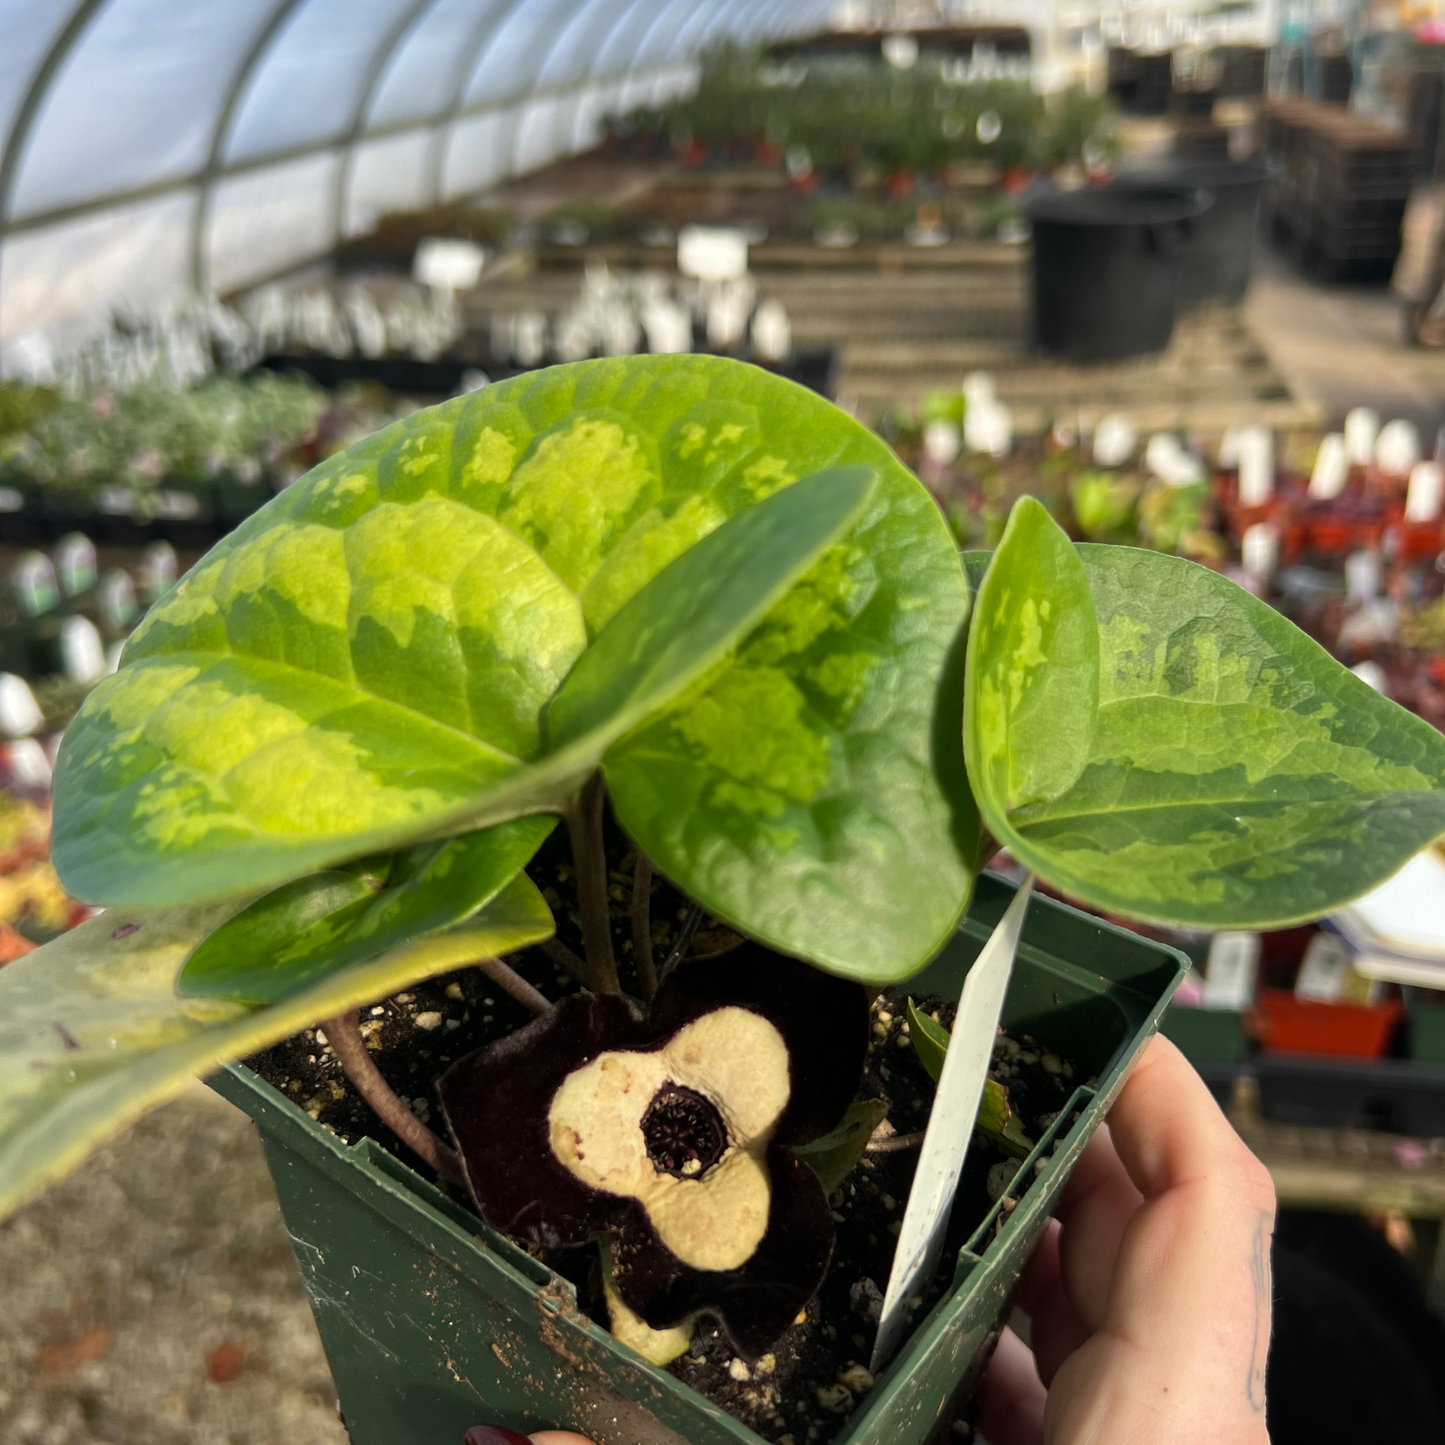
314,926
1033,666
810,790
93,1032
1237,775
369,661
676,627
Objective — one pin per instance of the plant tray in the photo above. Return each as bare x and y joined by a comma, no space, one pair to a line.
1287,1024
433,1323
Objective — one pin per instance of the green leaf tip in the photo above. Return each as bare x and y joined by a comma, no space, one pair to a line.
315,926
93,1031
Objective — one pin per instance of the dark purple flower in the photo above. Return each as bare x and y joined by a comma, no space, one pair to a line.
674,1134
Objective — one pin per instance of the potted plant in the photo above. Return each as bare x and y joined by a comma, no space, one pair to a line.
683,590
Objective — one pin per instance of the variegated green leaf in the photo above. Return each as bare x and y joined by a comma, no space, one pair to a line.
93,1032
811,791
1236,775
370,660
315,926
1033,665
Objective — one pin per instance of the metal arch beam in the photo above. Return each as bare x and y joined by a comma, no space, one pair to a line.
615,15
660,18
261,43
356,128
729,10
537,58
35,93
493,18
687,44
655,18
20,127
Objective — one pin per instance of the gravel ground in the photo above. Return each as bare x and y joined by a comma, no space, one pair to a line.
151,1299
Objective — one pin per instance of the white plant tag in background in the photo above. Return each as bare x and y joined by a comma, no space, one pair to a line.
1332,467
1362,428
1427,489
712,253
446,264
1256,466
1259,550
1115,438
1397,448
1362,576
1326,966
1230,970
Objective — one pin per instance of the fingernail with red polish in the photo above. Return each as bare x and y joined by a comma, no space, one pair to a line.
493,1435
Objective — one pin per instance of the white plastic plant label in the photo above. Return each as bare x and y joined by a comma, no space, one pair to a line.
772,332
1426,491
988,427
1115,438
1256,466
1362,427
712,253
1259,550
82,653
20,714
1362,576
1397,448
1326,966
448,265
1331,469
941,441
1230,971
1167,458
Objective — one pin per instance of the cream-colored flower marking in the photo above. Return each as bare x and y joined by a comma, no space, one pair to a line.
736,1060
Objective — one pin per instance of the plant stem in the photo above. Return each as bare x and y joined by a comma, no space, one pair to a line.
512,982
894,1143
684,937
589,859
642,926
566,960
350,1048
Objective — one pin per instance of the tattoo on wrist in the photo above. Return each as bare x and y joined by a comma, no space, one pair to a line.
1260,1278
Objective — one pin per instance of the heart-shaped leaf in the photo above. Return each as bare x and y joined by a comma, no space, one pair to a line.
370,659
315,926
93,1032
811,791
1236,776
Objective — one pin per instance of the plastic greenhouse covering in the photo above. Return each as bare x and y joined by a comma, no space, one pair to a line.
159,148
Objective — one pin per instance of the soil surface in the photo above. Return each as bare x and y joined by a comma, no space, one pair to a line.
806,1387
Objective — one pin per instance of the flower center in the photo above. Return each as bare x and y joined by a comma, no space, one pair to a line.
683,1132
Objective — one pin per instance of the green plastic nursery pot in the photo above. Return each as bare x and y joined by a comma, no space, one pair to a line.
432,1322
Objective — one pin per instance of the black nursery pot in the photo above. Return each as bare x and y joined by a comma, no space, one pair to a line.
433,1323
1221,249
1107,264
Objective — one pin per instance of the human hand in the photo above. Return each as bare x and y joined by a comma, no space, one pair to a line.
1149,1293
